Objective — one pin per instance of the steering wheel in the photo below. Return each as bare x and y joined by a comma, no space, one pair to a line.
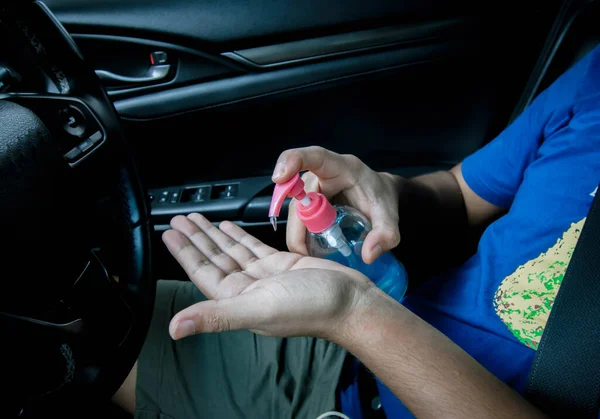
77,293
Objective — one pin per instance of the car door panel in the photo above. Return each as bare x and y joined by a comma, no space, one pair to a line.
130,57
305,50
409,87
233,24
390,118
254,85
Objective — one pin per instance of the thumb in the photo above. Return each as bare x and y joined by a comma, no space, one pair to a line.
244,311
384,236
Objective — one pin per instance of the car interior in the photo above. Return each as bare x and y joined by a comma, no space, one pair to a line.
115,116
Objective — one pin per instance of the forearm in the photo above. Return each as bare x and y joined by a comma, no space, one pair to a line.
433,222
430,374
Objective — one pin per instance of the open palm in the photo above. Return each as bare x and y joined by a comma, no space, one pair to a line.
252,286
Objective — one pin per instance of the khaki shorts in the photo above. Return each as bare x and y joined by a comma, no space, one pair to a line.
232,374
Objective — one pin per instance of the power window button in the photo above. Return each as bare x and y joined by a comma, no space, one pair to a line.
96,137
73,154
85,145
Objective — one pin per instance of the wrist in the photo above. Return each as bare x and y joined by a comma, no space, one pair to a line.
361,324
396,181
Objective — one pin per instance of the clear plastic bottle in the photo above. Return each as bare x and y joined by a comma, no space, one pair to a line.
337,233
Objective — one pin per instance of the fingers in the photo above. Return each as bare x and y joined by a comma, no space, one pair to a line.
258,248
333,173
225,251
201,233
244,311
211,257
326,165
384,236
295,235
205,275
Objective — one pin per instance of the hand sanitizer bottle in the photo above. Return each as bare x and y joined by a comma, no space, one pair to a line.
337,233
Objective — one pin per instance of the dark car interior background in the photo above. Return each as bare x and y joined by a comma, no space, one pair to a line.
210,93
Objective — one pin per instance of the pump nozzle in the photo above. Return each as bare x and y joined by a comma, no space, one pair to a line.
294,188
314,210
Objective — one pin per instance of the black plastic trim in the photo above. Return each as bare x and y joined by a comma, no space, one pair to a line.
251,206
337,45
258,208
246,87
280,224
157,44
227,64
214,209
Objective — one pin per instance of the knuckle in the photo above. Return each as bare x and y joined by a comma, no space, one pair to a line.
293,155
230,243
217,324
254,244
286,155
393,236
320,155
355,166
199,265
251,260
249,242
315,149
352,160
214,252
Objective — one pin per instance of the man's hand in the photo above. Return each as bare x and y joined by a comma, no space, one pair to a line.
345,179
253,286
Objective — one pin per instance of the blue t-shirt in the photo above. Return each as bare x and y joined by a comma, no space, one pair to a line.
545,169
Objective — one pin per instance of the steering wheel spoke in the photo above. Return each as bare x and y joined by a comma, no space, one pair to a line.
77,131
97,296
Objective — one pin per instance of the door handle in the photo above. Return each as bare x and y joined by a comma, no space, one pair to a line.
155,73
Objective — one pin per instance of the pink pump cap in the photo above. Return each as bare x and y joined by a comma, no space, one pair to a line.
317,216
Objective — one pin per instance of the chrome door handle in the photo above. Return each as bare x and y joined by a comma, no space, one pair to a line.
155,73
